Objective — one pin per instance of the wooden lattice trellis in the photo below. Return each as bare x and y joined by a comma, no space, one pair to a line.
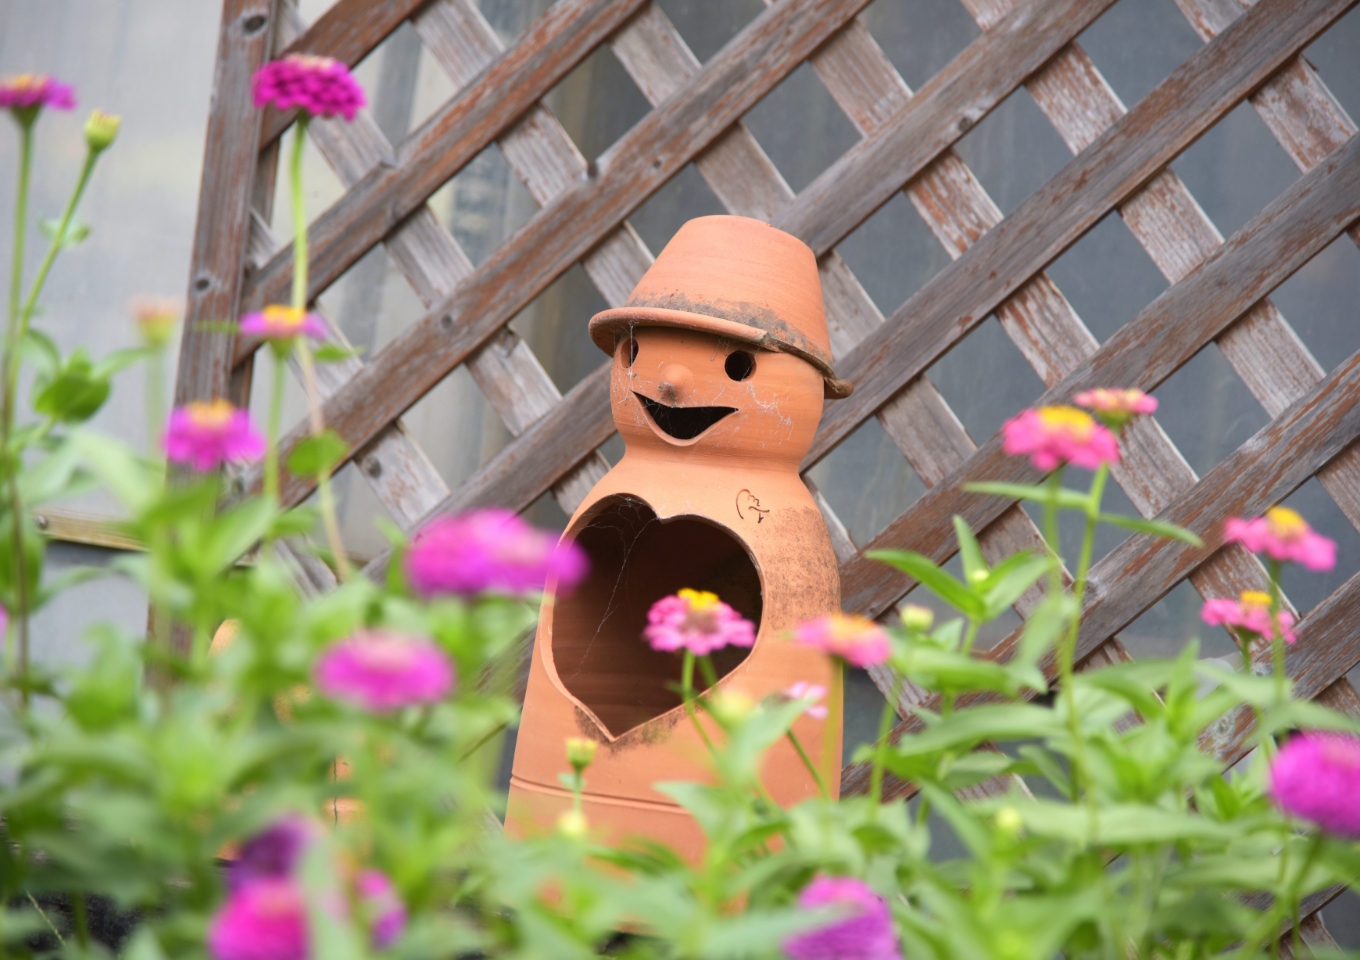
1218,289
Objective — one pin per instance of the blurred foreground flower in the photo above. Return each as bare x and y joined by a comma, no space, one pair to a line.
319,85
855,639
1285,536
281,325
490,551
866,934
383,671
1115,408
274,853
1316,776
697,621
382,908
27,93
1251,612
802,690
1053,436
206,435
264,920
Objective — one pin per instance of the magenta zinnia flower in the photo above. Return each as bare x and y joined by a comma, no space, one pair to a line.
1115,408
1285,536
383,671
205,435
32,91
865,934
279,324
319,85
1251,612
855,639
697,621
263,920
274,853
802,690
1052,436
1316,776
383,909
490,551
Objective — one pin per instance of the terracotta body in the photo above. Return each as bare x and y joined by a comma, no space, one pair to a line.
707,496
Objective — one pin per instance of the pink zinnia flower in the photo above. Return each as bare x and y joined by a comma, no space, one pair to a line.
383,671
857,640
206,435
318,85
279,324
802,690
1316,776
274,853
32,91
383,909
1285,536
1115,408
1052,436
865,934
263,920
490,551
697,621
1251,612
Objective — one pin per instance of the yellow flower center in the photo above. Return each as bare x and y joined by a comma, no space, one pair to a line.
284,318
1286,524
851,626
1077,424
311,61
698,600
1255,598
211,415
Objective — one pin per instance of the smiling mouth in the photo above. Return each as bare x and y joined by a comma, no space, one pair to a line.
683,423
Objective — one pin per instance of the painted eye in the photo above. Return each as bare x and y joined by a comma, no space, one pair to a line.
628,351
740,365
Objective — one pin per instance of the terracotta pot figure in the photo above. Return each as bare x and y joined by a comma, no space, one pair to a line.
721,362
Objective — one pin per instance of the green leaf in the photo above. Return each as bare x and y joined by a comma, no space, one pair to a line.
76,392
121,360
76,231
1009,581
1158,528
974,567
317,454
331,352
38,348
933,578
1037,493
967,728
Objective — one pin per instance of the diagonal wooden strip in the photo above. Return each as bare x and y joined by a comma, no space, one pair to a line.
347,32
577,219
1195,95
1261,472
217,262
1145,351
554,44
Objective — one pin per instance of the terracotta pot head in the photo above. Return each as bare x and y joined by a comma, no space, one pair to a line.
739,280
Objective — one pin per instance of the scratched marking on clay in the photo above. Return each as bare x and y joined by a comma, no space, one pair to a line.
748,502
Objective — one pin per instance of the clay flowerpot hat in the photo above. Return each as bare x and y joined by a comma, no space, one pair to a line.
737,278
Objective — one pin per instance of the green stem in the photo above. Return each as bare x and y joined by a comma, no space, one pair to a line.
880,748
299,217
687,694
16,277
1277,638
67,215
274,428
155,403
807,762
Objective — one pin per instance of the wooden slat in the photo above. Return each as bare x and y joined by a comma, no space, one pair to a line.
1145,351
218,259
1263,471
347,32
579,218
1184,105
552,46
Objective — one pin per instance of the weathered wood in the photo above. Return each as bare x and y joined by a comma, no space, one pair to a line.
578,218
217,263
348,31
552,46
1194,96
946,108
1149,348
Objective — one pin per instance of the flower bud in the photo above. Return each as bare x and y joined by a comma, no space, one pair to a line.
731,707
1009,822
101,130
156,319
918,619
573,824
580,752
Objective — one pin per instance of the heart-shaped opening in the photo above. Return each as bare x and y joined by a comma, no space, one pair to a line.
635,560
